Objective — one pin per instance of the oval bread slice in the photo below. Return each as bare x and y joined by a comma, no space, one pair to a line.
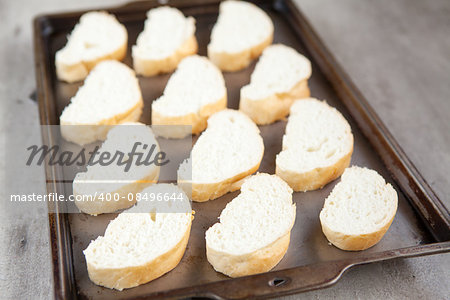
167,38
94,186
240,35
317,145
280,77
110,95
98,36
254,230
194,92
229,150
139,247
359,210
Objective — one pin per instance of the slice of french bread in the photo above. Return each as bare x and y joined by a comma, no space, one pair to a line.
110,95
280,77
229,150
98,36
240,35
359,210
194,92
254,230
317,145
139,247
167,38
108,188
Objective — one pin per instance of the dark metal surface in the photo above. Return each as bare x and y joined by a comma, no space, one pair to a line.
310,262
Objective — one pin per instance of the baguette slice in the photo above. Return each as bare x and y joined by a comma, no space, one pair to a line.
139,247
110,96
317,146
254,230
97,37
280,77
229,150
359,210
94,186
240,35
167,38
194,92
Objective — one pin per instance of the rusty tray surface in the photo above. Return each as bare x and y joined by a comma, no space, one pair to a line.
420,227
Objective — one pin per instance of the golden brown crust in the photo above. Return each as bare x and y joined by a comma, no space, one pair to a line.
231,62
198,121
317,178
355,242
260,261
276,107
151,67
129,277
79,71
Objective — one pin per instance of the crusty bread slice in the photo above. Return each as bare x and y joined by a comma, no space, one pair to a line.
280,77
240,35
194,92
359,210
110,95
139,247
108,188
229,150
97,37
167,38
254,230
317,146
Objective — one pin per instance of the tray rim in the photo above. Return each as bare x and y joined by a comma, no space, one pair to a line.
405,174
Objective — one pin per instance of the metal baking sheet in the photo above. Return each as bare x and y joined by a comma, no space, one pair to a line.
420,227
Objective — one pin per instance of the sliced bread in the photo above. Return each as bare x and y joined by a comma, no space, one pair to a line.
229,150
110,95
97,37
139,247
317,145
240,35
108,188
167,38
194,92
359,210
254,230
280,77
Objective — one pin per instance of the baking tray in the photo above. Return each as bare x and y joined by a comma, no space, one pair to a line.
421,226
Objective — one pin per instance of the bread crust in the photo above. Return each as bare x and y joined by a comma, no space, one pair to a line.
202,192
122,278
259,261
236,61
198,121
87,133
78,71
317,178
96,206
355,242
275,107
151,67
